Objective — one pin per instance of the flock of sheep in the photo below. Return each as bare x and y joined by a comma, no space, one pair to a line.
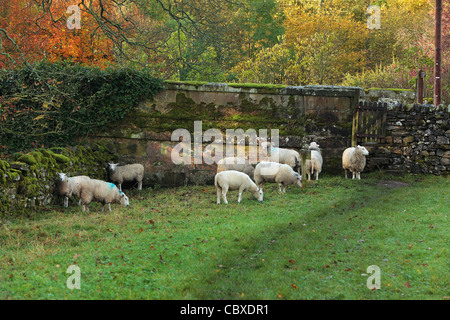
281,166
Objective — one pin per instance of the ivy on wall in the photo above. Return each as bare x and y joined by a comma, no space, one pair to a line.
51,104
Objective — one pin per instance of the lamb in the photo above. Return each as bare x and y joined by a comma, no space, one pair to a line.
235,163
314,166
279,173
68,186
127,173
100,191
235,180
354,160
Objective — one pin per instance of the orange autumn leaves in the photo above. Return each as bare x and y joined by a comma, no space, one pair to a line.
41,31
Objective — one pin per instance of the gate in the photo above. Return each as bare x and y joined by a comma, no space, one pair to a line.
368,123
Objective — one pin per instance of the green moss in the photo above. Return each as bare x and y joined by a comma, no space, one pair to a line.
391,89
27,158
257,85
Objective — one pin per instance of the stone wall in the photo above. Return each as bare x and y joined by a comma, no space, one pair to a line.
417,141
28,180
302,114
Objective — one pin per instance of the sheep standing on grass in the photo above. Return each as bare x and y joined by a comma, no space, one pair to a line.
68,186
282,155
235,180
275,172
354,160
235,163
102,192
127,173
314,166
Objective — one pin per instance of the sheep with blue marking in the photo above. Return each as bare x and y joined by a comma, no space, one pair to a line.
282,155
102,192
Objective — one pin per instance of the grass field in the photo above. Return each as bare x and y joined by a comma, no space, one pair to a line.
312,243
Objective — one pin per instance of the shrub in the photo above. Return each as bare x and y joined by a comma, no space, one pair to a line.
51,104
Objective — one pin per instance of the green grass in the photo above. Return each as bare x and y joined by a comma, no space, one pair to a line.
314,243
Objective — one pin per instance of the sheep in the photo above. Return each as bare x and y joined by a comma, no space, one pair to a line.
235,163
279,173
235,180
68,186
100,191
314,166
354,160
282,155
130,172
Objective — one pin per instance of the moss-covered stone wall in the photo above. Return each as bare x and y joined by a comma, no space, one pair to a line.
28,180
301,114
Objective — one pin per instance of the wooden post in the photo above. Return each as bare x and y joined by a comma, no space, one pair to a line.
355,126
438,53
304,155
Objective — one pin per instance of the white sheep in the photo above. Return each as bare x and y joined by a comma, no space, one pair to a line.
127,173
68,186
275,172
102,192
314,166
281,155
235,180
235,163
354,160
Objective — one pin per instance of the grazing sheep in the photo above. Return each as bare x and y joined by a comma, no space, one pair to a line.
314,166
354,160
235,163
127,173
235,180
100,191
68,186
279,173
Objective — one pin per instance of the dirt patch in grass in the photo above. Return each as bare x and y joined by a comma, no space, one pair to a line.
392,184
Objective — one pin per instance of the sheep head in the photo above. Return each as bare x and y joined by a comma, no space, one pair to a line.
298,179
259,194
124,199
364,150
112,166
313,146
62,176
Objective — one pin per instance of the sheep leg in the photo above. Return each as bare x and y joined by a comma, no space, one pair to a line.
240,197
358,174
218,195
120,187
353,175
85,208
317,175
345,170
109,207
224,195
140,185
66,202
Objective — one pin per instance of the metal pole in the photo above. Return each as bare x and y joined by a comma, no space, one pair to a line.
437,53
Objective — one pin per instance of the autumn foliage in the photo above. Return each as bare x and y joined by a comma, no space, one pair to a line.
41,31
